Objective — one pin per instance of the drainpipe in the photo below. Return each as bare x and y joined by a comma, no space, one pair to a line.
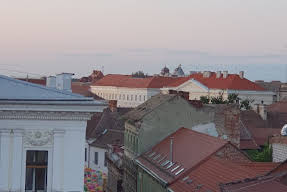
11,151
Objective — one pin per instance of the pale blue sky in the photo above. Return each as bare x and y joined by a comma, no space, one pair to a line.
48,37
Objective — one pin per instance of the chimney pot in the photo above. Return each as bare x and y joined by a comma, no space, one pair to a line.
225,74
64,81
206,74
218,74
241,74
51,82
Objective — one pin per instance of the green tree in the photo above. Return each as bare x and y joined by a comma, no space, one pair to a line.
232,98
139,74
245,104
263,155
204,99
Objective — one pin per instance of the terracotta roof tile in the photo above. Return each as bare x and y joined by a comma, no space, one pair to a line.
132,82
232,82
189,149
214,171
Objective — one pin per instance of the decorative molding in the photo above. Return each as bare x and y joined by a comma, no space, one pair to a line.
45,115
38,138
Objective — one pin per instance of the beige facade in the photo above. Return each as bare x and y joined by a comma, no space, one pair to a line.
126,97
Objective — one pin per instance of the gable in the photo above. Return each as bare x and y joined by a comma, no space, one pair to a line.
192,86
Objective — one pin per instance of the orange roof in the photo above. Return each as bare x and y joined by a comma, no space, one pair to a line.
133,82
231,82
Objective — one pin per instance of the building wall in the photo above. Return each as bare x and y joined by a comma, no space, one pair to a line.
100,166
126,97
146,183
229,152
65,152
115,178
279,152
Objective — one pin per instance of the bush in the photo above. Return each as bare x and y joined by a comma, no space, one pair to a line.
263,155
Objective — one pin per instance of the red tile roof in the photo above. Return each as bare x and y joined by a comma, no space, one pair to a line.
214,171
276,183
132,82
279,107
232,82
189,149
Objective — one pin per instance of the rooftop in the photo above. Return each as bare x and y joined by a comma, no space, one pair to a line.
231,82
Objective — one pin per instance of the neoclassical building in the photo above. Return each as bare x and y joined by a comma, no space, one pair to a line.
42,137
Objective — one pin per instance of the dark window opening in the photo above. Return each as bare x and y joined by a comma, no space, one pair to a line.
36,171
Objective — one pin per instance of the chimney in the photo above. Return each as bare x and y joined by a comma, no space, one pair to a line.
64,81
225,74
113,105
218,74
241,74
206,74
51,82
171,149
262,111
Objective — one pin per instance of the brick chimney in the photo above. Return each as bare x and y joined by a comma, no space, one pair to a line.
241,74
113,105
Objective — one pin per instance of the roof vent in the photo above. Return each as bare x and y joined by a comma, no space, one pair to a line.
189,181
284,130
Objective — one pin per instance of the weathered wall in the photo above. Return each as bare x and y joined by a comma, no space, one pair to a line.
279,152
169,117
229,152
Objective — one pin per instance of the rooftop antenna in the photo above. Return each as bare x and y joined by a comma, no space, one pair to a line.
103,68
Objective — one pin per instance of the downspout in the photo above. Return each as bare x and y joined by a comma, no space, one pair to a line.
11,151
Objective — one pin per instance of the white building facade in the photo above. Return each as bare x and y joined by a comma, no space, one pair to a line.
42,137
125,96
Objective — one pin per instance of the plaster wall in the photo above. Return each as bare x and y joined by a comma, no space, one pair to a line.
65,154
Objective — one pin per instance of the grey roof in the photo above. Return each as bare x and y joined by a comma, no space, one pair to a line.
13,89
140,111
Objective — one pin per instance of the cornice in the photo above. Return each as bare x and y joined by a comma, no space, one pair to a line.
45,115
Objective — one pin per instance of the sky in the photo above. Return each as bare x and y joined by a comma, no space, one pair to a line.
122,36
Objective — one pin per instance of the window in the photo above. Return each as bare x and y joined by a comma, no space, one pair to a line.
85,154
105,162
140,97
127,97
36,171
124,97
120,97
96,158
132,97
136,98
144,97
116,96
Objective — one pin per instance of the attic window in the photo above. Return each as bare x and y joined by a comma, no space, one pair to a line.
181,170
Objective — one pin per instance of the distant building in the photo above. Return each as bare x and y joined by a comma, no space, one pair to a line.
42,137
178,72
127,90
190,161
165,72
213,84
279,88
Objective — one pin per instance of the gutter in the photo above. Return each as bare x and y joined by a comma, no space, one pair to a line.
165,183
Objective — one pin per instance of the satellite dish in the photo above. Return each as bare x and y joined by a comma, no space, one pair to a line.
284,130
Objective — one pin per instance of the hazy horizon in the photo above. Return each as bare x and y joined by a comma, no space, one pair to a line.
49,37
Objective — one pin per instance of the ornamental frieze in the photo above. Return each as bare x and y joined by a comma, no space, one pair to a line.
38,138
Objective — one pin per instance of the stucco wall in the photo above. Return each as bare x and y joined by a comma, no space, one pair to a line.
101,159
65,156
